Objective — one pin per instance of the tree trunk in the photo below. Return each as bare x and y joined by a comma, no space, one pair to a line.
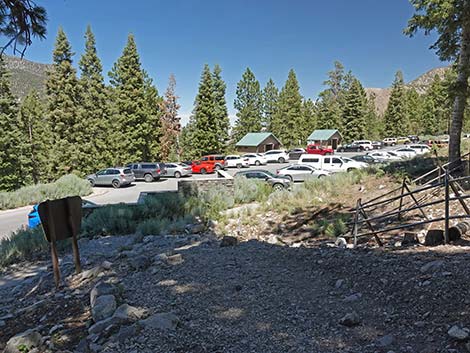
461,90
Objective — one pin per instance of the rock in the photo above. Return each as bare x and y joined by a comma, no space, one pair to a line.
82,346
197,228
101,288
126,312
105,306
95,348
432,266
175,259
228,241
467,346
350,320
434,237
91,273
410,238
106,265
341,242
126,332
98,327
162,321
2,323
339,283
385,341
55,328
29,339
459,334
352,298
140,262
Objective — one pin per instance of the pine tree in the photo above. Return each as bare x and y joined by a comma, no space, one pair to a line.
270,104
249,105
396,123
436,108
287,125
221,118
414,110
374,122
354,112
202,137
10,137
152,123
94,145
309,118
127,80
62,97
36,136
171,126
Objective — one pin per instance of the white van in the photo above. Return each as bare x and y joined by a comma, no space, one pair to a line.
330,163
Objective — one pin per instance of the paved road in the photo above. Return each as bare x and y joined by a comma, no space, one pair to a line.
11,220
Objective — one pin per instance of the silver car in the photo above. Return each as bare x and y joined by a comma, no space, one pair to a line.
178,170
301,172
115,177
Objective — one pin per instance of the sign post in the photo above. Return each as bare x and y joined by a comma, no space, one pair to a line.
61,219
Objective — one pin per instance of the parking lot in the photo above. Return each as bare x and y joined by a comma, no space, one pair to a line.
11,220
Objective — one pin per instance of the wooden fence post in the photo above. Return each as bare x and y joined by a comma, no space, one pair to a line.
446,227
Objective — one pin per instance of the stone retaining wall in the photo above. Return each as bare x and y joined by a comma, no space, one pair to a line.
193,187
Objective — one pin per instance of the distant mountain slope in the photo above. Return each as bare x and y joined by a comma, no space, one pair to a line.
26,75
421,83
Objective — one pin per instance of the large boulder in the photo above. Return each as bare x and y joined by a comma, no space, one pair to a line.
104,307
101,288
126,312
26,340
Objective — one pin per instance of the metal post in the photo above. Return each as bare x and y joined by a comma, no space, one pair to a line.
446,186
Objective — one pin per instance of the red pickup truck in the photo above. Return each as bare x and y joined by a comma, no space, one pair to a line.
317,149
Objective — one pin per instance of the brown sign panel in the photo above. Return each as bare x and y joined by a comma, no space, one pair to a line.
61,219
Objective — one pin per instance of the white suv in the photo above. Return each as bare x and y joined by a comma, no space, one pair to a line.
390,141
331,163
232,161
366,144
279,156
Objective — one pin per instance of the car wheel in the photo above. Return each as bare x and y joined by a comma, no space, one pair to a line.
148,178
203,171
239,166
116,183
218,167
278,187
257,163
328,154
321,176
290,177
177,175
393,143
350,170
281,160
341,150
92,182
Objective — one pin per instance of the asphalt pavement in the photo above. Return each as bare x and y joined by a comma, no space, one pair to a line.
11,220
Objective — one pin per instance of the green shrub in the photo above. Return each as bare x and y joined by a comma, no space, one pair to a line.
68,185
246,190
22,244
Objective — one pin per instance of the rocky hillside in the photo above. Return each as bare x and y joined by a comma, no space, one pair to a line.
26,75
421,83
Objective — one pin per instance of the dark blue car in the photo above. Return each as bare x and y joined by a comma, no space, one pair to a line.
34,220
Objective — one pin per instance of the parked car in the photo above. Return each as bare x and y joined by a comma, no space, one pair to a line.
235,161
217,161
295,153
420,148
436,143
318,149
384,156
405,152
147,171
366,158
390,141
350,147
178,170
413,138
277,182
377,145
332,164
301,172
366,144
255,158
402,140
279,156
115,177
34,220
202,167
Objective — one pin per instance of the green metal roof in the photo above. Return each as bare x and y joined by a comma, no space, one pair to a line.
254,139
322,135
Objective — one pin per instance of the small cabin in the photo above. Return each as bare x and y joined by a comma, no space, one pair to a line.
258,142
326,138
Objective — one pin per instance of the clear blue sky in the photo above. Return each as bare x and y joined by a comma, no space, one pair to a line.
269,36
